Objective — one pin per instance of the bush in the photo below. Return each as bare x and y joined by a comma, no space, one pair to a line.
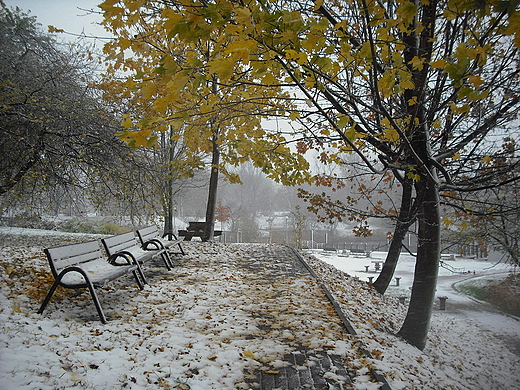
77,225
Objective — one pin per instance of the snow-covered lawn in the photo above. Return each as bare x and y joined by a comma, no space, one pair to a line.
193,328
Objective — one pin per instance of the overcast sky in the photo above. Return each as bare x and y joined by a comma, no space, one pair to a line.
64,14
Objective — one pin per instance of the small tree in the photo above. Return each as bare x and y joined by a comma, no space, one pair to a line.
222,214
299,226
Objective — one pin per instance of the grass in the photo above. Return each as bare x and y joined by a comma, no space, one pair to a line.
474,291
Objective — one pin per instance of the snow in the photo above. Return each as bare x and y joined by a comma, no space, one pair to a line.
192,327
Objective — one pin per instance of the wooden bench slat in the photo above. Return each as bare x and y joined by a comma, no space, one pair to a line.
151,239
124,245
99,274
120,242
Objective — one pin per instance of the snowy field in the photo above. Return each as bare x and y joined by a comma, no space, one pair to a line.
192,330
478,272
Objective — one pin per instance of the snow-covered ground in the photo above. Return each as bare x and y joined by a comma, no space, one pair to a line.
192,328
468,271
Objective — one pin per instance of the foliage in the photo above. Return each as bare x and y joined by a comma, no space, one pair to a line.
181,76
416,90
56,139
299,226
80,225
490,218
59,152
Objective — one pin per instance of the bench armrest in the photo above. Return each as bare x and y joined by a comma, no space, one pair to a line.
126,256
157,244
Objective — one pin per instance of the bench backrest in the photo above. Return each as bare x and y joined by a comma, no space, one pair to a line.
73,254
119,243
148,233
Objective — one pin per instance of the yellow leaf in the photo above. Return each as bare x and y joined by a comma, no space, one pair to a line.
222,67
241,49
127,123
391,134
268,78
407,12
343,121
248,354
148,90
417,63
407,84
475,80
412,101
439,64
53,29
294,115
140,138
456,156
205,108
447,221
386,84
486,159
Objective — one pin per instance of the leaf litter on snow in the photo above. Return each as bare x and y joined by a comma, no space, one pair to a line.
199,327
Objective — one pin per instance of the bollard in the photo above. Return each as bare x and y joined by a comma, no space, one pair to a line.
397,281
370,278
442,301
402,300
366,268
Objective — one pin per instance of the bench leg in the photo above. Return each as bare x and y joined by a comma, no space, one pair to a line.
92,294
182,250
137,277
48,297
168,259
96,302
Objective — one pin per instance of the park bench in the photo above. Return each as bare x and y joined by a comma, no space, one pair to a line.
151,239
126,245
84,265
197,229
359,252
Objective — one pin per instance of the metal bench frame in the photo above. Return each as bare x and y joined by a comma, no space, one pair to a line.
93,267
125,245
151,239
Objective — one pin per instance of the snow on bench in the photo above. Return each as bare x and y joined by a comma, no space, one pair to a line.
84,265
151,240
125,245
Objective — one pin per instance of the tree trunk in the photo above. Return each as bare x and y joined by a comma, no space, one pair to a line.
168,228
416,324
404,221
212,195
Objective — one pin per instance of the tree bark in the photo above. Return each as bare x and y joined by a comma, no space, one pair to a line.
404,221
212,195
169,212
416,324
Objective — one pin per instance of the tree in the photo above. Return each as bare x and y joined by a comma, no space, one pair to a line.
417,89
56,137
489,217
179,81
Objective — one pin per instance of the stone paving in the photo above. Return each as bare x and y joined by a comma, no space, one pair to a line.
297,323
306,367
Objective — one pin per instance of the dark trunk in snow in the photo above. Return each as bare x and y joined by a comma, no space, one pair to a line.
405,220
416,324
212,195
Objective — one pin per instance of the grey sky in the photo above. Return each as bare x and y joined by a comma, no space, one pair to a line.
64,14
